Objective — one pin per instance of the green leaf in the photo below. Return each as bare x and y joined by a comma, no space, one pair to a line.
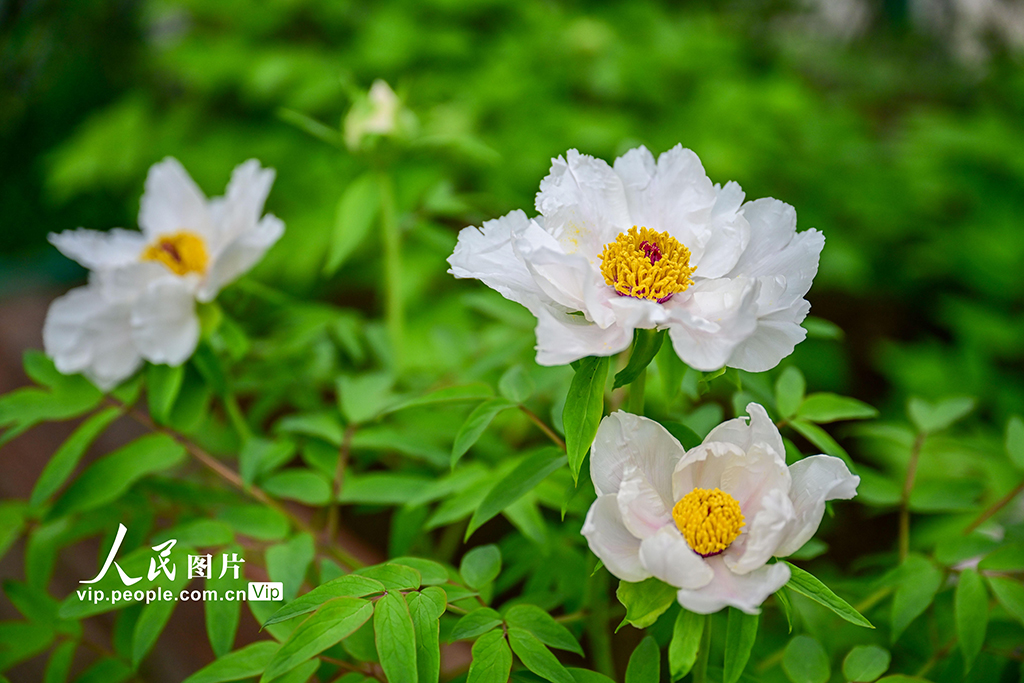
335,620
684,435
431,573
287,562
644,601
357,210
394,576
536,657
789,391
303,673
480,566
542,625
67,457
822,439
584,406
348,586
645,663
298,484
476,623
516,384
865,663
163,382
971,609
222,616
786,607
324,426
934,417
530,472
151,623
805,661
395,637
425,612
740,633
685,643
825,407
106,671
381,488
808,585
587,676
468,392
257,521
1010,595
919,580
247,662
492,659
59,664
363,397
476,424
105,480
671,370
1008,558
646,344
259,456
22,640
1015,441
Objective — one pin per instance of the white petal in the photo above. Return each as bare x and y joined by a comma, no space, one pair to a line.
760,430
563,338
172,202
486,254
702,467
644,510
772,226
239,255
763,533
627,440
815,480
100,250
612,542
243,203
164,323
743,591
710,319
774,338
84,332
729,235
563,277
667,556
583,202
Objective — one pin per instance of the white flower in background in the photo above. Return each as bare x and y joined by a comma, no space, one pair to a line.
143,286
645,244
380,113
706,520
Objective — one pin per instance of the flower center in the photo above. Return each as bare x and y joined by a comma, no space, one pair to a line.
182,252
646,265
710,520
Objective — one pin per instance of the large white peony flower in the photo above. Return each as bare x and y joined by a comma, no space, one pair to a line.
643,245
706,520
143,286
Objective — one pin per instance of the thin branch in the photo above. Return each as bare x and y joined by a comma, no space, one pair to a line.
543,427
334,512
908,487
994,508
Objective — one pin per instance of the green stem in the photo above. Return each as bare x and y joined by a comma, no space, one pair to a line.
598,636
636,394
908,488
234,413
392,265
700,669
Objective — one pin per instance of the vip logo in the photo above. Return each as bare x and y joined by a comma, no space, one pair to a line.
266,591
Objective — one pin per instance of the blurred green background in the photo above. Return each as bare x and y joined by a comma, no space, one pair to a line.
893,127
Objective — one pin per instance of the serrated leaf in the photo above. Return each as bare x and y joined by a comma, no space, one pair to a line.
492,659
824,407
475,424
542,625
645,663
480,566
807,584
536,657
395,636
335,620
67,457
644,601
685,643
805,661
584,406
528,474
740,633
934,417
865,663
646,344
971,609
476,623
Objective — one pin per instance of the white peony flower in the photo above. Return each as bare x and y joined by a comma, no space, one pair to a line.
643,245
706,520
143,286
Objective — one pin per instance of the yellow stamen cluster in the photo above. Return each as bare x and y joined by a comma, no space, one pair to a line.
182,252
710,520
646,265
